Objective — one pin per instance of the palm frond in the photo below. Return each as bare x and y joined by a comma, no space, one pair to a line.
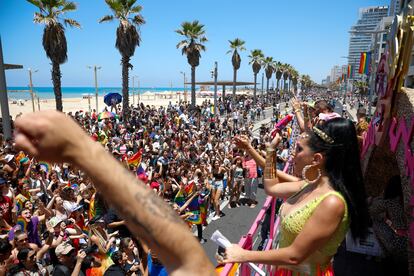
115,6
40,18
36,3
106,18
182,44
68,6
136,9
71,23
138,20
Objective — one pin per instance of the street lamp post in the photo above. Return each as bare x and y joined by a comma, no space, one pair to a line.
4,102
215,87
262,88
185,88
95,69
31,87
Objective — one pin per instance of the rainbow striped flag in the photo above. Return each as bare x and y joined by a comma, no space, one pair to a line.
20,200
350,71
364,63
179,198
135,159
189,188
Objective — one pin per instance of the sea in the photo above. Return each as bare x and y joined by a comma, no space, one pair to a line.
78,92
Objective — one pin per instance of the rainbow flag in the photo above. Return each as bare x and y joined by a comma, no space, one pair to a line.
20,200
135,159
194,217
179,198
364,63
22,223
350,71
189,188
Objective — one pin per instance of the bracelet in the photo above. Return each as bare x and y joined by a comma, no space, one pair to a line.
296,110
270,150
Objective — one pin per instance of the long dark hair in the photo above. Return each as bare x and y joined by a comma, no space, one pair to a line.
343,168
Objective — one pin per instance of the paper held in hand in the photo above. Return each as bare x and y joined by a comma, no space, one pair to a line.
222,241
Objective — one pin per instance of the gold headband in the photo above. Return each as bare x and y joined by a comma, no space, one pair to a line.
323,135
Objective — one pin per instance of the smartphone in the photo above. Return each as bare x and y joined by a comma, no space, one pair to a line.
221,251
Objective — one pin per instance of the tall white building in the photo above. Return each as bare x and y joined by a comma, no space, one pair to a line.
360,37
395,7
380,38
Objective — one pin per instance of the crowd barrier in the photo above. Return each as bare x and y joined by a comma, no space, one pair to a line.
246,241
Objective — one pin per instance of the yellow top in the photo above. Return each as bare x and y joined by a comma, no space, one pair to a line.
293,223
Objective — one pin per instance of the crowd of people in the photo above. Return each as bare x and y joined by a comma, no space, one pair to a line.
186,156
69,216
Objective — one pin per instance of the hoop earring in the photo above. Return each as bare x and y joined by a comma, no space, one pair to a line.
305,169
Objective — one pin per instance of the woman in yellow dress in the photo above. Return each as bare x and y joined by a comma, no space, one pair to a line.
322,204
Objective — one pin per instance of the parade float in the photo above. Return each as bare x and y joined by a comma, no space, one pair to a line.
388,142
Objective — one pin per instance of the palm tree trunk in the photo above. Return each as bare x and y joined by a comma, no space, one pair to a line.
125,82
277,90
56,76
254,91
193,92
234,83
267,89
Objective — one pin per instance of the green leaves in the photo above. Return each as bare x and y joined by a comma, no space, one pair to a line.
106,18
71,23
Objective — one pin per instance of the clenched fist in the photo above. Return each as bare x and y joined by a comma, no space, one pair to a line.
50,136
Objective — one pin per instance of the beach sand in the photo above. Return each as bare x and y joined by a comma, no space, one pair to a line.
76,104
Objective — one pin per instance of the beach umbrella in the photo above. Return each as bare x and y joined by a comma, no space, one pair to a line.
112,98
105,115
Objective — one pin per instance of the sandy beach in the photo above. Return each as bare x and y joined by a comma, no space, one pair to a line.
76,104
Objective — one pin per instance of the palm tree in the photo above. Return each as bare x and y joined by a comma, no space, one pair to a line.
191,46
268,65
294,76
127,38
235,46
285,75
54,39
279,74
256,56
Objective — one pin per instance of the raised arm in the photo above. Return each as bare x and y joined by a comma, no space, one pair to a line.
272,184
53,137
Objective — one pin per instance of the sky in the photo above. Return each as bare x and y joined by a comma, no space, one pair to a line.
310,35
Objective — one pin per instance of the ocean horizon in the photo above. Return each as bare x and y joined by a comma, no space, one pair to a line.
77,92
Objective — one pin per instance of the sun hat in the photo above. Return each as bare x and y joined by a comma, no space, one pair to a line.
54,221
63,249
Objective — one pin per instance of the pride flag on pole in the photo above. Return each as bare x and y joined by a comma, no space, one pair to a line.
364,63
349,71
